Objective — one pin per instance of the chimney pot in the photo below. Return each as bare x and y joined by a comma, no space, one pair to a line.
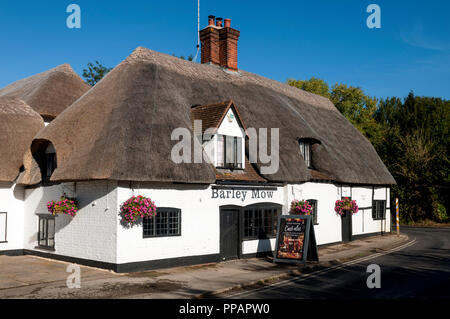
219,22
227,23
211,20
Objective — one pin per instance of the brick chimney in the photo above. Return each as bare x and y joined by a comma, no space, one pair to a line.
220,43
209,37
228,44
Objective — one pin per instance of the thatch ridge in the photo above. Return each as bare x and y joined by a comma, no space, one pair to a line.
49,93
121,128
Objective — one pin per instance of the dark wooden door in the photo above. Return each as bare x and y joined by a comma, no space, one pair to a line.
229,233
346,221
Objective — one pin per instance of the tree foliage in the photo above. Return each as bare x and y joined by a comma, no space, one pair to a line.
189,58
410,135
94,73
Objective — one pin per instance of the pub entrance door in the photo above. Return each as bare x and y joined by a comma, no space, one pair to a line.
229,233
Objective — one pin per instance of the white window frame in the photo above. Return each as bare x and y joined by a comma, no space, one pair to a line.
4,236
221,152
306,151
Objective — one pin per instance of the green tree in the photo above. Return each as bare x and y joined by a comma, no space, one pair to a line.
94,73
359,109
356,106
411,137
189,58
313,85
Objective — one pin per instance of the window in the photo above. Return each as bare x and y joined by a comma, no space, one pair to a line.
46,233
379,209
3,225
50,162
305,149
260,222
167,222
313,203
229,151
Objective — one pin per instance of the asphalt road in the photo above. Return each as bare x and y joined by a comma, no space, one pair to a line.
420,270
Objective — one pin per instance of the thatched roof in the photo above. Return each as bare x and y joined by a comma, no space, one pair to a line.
121,129
18,125
48,93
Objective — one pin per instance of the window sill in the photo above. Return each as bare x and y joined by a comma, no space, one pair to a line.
231,168
160,236
45,248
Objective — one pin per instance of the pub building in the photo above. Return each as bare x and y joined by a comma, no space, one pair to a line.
117,140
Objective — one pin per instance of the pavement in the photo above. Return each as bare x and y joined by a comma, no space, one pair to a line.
25,277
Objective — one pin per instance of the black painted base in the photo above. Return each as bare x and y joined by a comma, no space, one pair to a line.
15,252
150,264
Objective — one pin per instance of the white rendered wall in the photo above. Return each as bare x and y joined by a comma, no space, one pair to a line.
200,226
364,223
11,202
328,229
91,234
97,234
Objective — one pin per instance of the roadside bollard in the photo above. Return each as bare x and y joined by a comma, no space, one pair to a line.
397,217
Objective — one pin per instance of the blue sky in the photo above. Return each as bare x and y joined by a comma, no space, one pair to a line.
279,39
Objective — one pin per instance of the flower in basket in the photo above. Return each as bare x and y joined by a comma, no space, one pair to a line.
301,207
65,205
137,207
346,205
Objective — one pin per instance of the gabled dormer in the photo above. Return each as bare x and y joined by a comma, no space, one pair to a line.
223,134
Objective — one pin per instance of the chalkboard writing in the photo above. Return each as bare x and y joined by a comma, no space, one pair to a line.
296,242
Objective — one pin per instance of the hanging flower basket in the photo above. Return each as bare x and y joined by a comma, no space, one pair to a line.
67,206
137,207
346,205
301,207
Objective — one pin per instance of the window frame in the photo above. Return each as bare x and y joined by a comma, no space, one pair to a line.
6,228
375,211
314,203
222,163
46,217
255,231
306,146
159,211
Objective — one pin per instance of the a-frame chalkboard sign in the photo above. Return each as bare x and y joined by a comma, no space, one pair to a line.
296,241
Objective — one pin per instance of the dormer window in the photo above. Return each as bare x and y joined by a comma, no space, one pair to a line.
305,150
44,154
221,131
50,161
229,151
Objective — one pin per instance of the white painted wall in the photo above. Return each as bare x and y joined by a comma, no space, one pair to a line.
200,222
91,234
97,234
328,229
11,202
230,125
362,222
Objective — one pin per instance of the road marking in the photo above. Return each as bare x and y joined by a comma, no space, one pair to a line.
323,271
